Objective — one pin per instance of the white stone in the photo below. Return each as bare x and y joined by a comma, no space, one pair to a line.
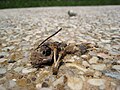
112,74
92,53
14,79
103,55
96,82
105,41
76,57
18,69
117,67
12,84
38,86
118,61
97,74
85,57
99,66
2,71
72,13
28,70
116,46
75,83
93,60
4,54
6,48
2,60
85,63
45,89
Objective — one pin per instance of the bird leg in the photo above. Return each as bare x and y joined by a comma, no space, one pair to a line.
57,64
55,53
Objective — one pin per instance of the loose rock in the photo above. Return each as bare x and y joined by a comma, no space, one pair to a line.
97,74
99,67
96,82
116,67
12,84
18,69
5,54
85,63
75,83
115,75
2,71
38,86
93,60
71,13
2,60
45,89
103,55
28,70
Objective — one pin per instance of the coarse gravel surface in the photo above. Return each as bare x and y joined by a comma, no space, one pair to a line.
23,29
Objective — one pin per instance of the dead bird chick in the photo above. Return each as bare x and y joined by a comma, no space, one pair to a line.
46,54
52,53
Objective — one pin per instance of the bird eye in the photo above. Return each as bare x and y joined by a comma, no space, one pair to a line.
46,52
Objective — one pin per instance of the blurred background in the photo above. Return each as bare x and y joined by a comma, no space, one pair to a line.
45,3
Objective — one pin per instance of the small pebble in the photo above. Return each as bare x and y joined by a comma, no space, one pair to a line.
45,89
116,67
103,55
85,63
71,13
28,70
2,60
74,83
99,67
5,54
38,86
96,82
93,60
18,69
86,57
115,75
2,71
12,84
97,74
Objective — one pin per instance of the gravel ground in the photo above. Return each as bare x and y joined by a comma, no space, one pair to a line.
23,29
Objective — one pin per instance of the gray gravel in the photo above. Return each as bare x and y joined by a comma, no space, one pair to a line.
22,29
99,24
